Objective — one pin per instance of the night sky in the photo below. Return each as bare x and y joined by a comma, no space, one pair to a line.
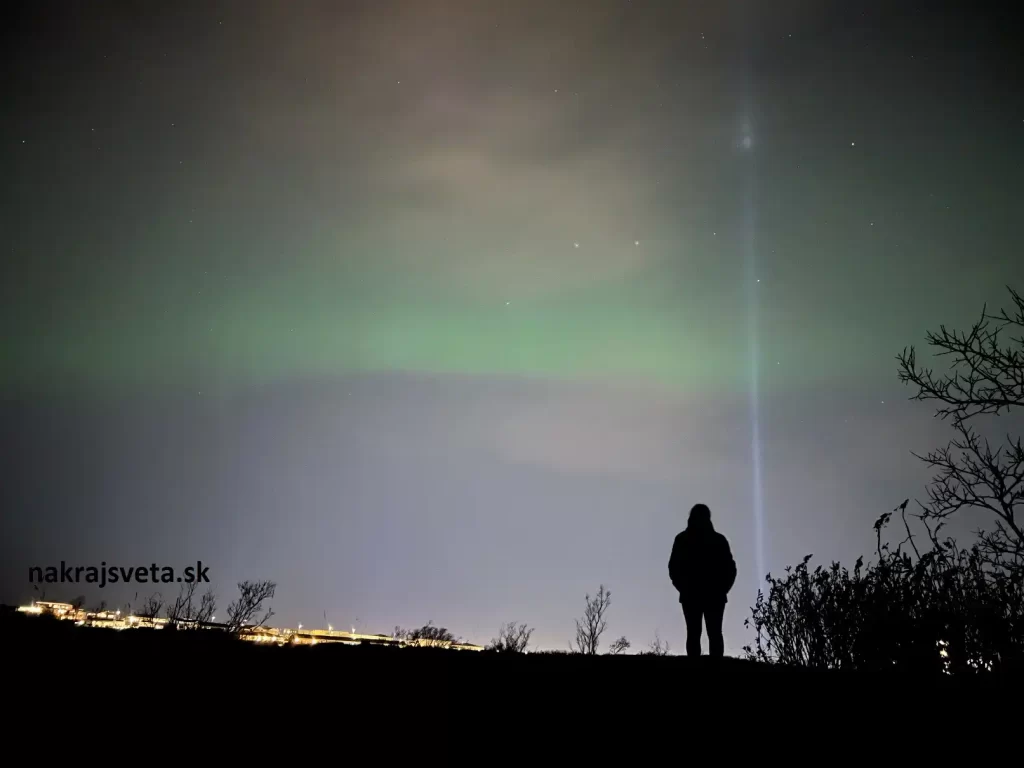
451,310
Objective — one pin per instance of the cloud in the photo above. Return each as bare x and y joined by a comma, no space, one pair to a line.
524,230
616,431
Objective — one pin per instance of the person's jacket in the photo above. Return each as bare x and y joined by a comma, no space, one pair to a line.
701,565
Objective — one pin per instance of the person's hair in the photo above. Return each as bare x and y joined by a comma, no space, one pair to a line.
700,514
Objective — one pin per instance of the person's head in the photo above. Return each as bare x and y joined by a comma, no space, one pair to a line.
700,517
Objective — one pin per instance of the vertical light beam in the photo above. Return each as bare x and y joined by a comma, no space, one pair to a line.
746,147
754,351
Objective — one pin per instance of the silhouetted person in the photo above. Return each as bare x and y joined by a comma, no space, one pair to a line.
703,571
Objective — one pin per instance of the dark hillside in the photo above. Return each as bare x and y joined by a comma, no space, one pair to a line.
84,658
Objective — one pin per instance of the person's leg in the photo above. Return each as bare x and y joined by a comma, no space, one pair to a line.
692,614
714,612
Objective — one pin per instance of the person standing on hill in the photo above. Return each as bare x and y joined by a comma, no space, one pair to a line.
702,570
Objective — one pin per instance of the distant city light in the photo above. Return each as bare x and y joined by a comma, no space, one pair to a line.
248,632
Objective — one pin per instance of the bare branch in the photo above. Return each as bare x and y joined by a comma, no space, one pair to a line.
512,638
181,612
619,646
207,607
593,624
247,610
152,607
658,647
985,377
430,636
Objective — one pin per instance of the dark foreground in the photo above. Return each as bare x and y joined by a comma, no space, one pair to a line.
42,644
67,676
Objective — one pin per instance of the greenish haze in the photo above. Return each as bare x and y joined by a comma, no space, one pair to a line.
331,321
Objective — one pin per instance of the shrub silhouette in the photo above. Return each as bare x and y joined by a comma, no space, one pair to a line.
512,638
950,609
428,635
943,610
619,646
657,648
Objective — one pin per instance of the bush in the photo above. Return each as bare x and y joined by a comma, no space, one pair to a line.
944,610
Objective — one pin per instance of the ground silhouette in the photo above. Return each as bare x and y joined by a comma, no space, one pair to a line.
151,666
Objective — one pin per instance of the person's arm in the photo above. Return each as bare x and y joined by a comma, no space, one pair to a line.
729,570
675,562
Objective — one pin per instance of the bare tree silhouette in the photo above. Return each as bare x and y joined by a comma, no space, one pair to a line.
186,613
247,610
985,378
151,608
592,625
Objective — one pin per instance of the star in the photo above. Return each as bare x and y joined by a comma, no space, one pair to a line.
636,242
853,143
575,245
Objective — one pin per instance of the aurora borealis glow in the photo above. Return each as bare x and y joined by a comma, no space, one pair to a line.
461,286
